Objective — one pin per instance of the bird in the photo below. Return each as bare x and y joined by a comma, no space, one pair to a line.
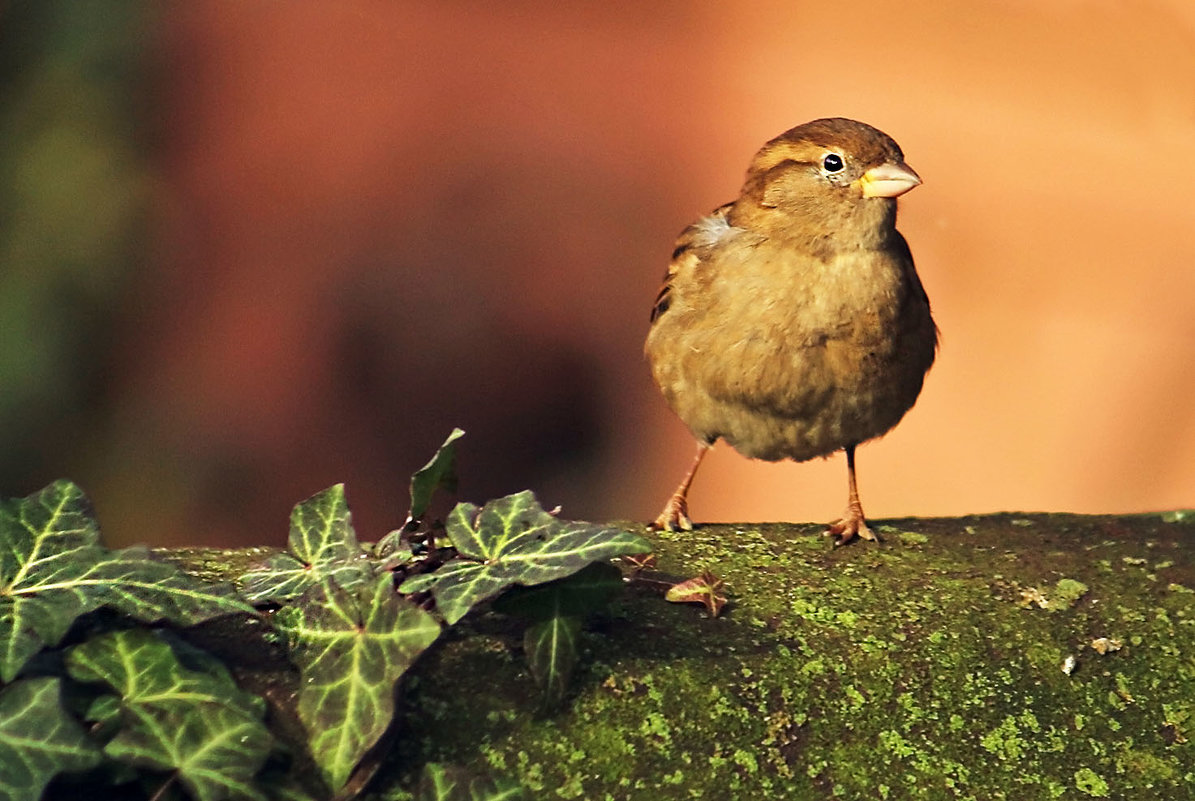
791,322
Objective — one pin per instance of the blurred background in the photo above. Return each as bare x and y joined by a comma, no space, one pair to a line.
251,249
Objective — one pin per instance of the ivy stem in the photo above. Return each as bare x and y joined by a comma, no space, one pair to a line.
165,786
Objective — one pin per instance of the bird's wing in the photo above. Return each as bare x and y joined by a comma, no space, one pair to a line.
690,248
918,317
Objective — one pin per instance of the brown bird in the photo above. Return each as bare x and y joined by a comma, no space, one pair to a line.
792,323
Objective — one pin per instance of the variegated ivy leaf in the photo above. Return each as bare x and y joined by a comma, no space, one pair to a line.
450,783
512,541
585,592
198,724
556,610
551,647
322,544
38,739
351,648
53,569
705,589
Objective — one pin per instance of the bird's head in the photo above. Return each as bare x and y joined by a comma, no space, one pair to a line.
831,173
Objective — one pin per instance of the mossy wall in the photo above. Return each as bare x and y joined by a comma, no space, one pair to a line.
931,666
1011,657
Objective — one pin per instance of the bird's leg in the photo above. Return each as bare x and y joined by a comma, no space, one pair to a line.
676,511
852,524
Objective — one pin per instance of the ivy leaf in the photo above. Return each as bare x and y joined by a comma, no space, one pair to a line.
704,589
53,569
322,544
551,647
198,724
642,562
587,591
393,550
450,783
134,582
512,541
556,610
437,474
351,648
38,739
105,712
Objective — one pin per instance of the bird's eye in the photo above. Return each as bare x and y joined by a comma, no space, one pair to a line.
832,163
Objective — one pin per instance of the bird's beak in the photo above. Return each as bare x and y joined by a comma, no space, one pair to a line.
889,180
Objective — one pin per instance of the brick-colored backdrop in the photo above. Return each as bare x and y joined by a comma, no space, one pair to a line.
374,221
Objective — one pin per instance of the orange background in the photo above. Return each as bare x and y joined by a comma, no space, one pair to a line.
374,221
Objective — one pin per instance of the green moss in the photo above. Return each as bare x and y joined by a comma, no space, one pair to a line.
1066,593
746,760
1006,741
912,666
1144,768
1091,783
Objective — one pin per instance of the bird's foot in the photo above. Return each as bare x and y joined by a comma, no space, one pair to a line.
851,525
675,516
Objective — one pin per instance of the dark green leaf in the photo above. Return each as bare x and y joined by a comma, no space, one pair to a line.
551,647
513,541
53,569
351,648
287,788
105,709
322,544
437,474
199,724
556,610
134,582
583,593
38,739
450,783
393,550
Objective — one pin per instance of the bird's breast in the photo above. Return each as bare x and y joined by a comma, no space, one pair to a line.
791,356
795,301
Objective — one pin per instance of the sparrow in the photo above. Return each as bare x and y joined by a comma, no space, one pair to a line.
791,322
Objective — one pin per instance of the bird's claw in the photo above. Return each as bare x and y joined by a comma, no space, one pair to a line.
675,517
849,526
